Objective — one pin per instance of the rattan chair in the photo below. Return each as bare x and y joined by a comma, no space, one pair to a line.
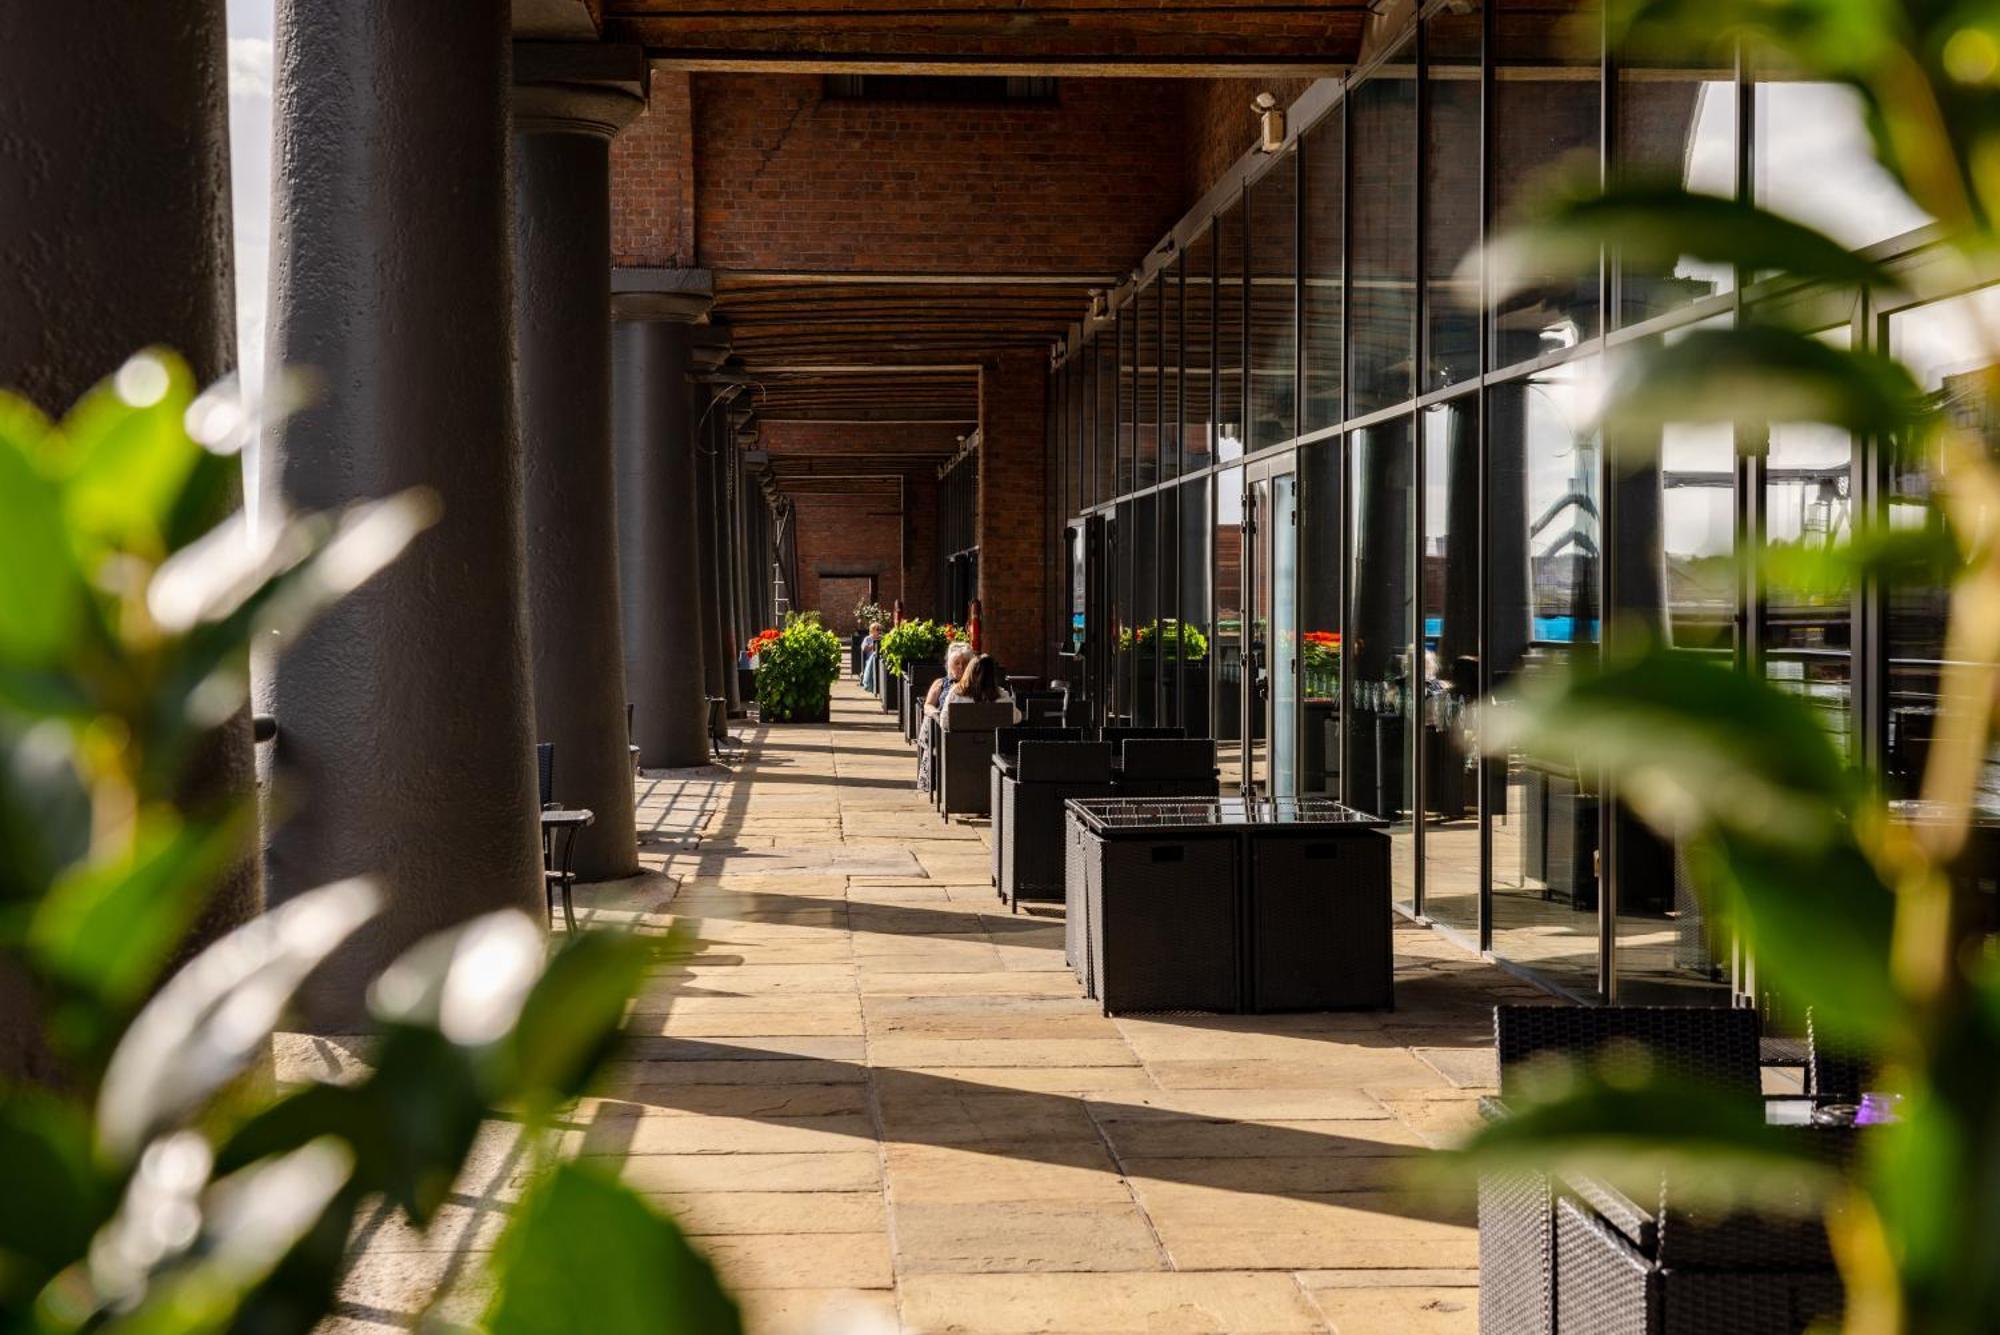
1714,1046
965,755
1006,745
1028,823
1166,767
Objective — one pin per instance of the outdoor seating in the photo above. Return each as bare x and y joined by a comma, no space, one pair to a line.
964,754
1044,774
1041,707
1006,745
559,828
1715,1047
917,679
1166,767
1238,905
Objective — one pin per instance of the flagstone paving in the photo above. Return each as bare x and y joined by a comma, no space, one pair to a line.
880,1102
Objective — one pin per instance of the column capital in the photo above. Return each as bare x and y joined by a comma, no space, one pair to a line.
682,296
578,87
708,349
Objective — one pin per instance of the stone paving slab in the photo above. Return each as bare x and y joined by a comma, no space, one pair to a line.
880,1102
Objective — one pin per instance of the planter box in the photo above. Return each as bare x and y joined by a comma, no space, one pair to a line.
885,687
819,715
917,679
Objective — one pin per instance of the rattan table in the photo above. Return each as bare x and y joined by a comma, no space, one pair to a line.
1228,904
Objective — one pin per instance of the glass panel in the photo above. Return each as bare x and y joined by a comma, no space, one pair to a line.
1325,223
1198,354
1809,503
1283,637
1545,118
1225,646
1320,583
1146,386
1450,594
1451,197
1107,412
1124,553
1377,762
1079,599
1542,560
1168,641
1260,653
1229,332
1127,358
1145,613
1170,370
1382,259
1812,160
1199,655
1676,123
1941,343
1274,327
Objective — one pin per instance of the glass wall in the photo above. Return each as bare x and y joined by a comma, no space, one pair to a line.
1460,529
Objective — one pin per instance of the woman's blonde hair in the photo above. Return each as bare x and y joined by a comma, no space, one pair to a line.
955,658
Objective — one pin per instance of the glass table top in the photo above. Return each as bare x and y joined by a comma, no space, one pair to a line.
1140,813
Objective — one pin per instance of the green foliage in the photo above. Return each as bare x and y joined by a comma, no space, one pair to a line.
913,642
796,671
155,1184
864,613
1175,639
1848,907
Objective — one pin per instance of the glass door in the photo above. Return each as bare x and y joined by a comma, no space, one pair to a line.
1271,641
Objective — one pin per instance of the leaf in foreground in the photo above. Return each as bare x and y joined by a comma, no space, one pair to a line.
583,1255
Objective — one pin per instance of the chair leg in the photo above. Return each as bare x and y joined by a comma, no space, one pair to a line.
569,910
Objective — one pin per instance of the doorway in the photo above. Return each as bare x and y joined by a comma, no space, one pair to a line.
1271,647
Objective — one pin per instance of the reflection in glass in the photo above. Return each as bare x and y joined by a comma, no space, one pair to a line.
1941,343
1281,661
1198,640
1324,223
1382,334
1812,160
1124,560
1198,353
1676,125
1146,386
1545,126
1225,646
1170,370
1128,323
1379,775
1809,504
1145,613
1274,271
1167,637
1229,426
1451,197
1320,583
1542,525
1107,411
1259,651
1450,606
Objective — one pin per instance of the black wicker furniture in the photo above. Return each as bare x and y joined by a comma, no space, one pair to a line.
964,755
1166,767
1229,905
917,679
1006,744
1028,836
1714,1046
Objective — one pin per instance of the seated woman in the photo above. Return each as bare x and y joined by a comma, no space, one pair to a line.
870,652
955,659
981,682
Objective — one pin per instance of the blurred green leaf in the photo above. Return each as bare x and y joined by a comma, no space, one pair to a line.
426,1102
583,1255
216,1014
41,592
53,1198
128,454
1833,570
44,810
108,928
1714,1147
1690,742
1655,224
572,1017
1756,375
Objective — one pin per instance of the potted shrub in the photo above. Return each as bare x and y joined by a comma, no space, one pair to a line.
796,670
904,644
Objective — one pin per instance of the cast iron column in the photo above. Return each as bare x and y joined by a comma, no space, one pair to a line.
405,719
569,100
133,95
653,314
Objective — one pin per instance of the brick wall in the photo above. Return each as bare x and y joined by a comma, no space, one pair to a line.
848,535
1013,518
652,180
785,179
1218,125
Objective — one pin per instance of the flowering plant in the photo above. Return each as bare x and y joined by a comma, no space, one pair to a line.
760,640
1176,639
1319,655
796,670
